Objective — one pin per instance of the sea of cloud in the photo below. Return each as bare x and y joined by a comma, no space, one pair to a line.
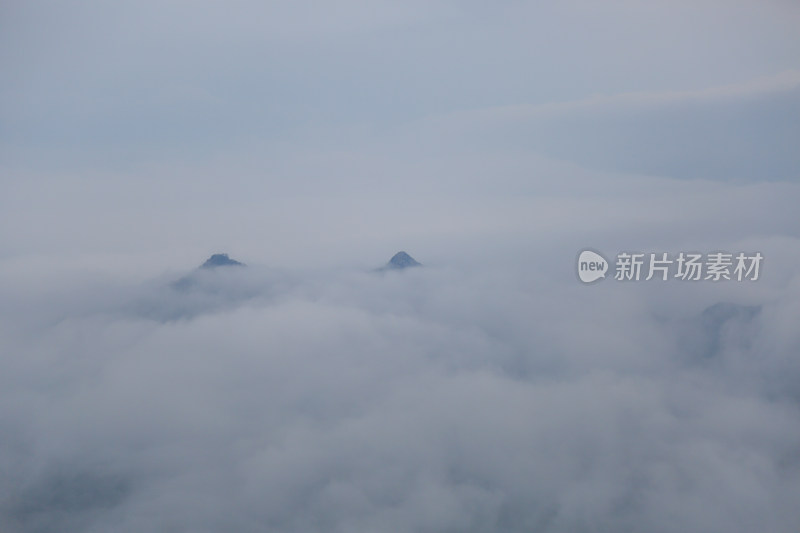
483,393
487,391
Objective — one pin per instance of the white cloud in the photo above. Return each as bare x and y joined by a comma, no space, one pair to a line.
467,396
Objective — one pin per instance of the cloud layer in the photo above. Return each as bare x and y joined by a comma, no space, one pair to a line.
486,391
449,398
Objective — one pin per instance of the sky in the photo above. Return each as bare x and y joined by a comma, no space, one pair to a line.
487,391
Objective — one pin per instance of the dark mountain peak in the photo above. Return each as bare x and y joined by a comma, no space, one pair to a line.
401,260
193,278
218,260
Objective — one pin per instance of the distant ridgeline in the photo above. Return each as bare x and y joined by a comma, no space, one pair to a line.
399,261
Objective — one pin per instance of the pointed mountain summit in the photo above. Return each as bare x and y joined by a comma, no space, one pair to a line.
218,260
192,279
401,260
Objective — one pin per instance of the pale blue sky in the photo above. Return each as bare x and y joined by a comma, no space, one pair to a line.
110,111
110,85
